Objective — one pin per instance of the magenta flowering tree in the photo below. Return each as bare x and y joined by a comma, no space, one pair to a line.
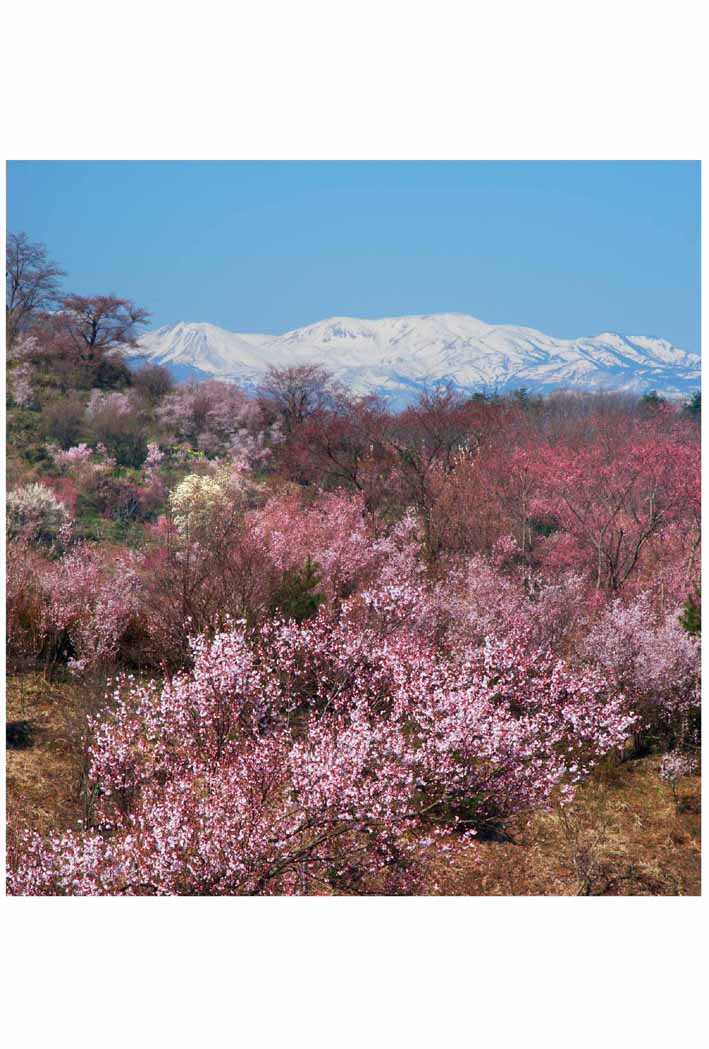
612,498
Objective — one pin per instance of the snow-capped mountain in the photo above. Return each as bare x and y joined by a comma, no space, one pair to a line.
200,351
397,357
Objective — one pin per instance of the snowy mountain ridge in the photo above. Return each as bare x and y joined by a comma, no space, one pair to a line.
397,357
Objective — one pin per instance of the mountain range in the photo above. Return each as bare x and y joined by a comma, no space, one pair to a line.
398,357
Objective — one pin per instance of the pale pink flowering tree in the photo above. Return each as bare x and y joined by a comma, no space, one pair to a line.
21,370
674,767
312,758
108,461
650,657
333,532
251,449
151,470
210,415
336,533
87,605
477,599
154,457
109,402
78,455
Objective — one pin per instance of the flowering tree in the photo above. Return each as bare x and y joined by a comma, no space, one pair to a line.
34,511
73,609
612,500
674,766
114,402
21,360
77,455
202,564
314,758
341,444
88,606
333,532
650,657
209,415
201,501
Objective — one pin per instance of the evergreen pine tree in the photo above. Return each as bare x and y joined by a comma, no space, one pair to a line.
691,618
298,596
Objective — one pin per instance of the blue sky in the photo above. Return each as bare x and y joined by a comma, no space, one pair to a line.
572,248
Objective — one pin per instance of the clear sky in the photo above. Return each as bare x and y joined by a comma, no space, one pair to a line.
571,248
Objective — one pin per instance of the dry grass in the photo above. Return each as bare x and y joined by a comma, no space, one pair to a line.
45,727
622,837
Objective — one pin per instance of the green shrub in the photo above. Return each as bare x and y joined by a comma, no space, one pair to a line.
298,596
691,618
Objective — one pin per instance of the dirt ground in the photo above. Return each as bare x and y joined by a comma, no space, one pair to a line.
625,835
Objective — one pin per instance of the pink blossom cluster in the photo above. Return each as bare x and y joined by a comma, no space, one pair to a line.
478,600
21,370
312,758
76,456
253,449
336,532
107,459
154,457
677,764
21,386
151,470
81,460
649,656
212,416
88,604
113,403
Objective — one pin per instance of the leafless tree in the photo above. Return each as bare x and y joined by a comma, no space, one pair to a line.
98,324
153,382
31,283
296,393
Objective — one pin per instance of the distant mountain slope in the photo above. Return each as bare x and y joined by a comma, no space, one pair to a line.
399,356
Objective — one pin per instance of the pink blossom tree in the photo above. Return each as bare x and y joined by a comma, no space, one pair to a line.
314,758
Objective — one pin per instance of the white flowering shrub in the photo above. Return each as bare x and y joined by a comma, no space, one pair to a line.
35,513
200,501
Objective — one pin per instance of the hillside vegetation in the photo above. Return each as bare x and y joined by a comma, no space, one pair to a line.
292,642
